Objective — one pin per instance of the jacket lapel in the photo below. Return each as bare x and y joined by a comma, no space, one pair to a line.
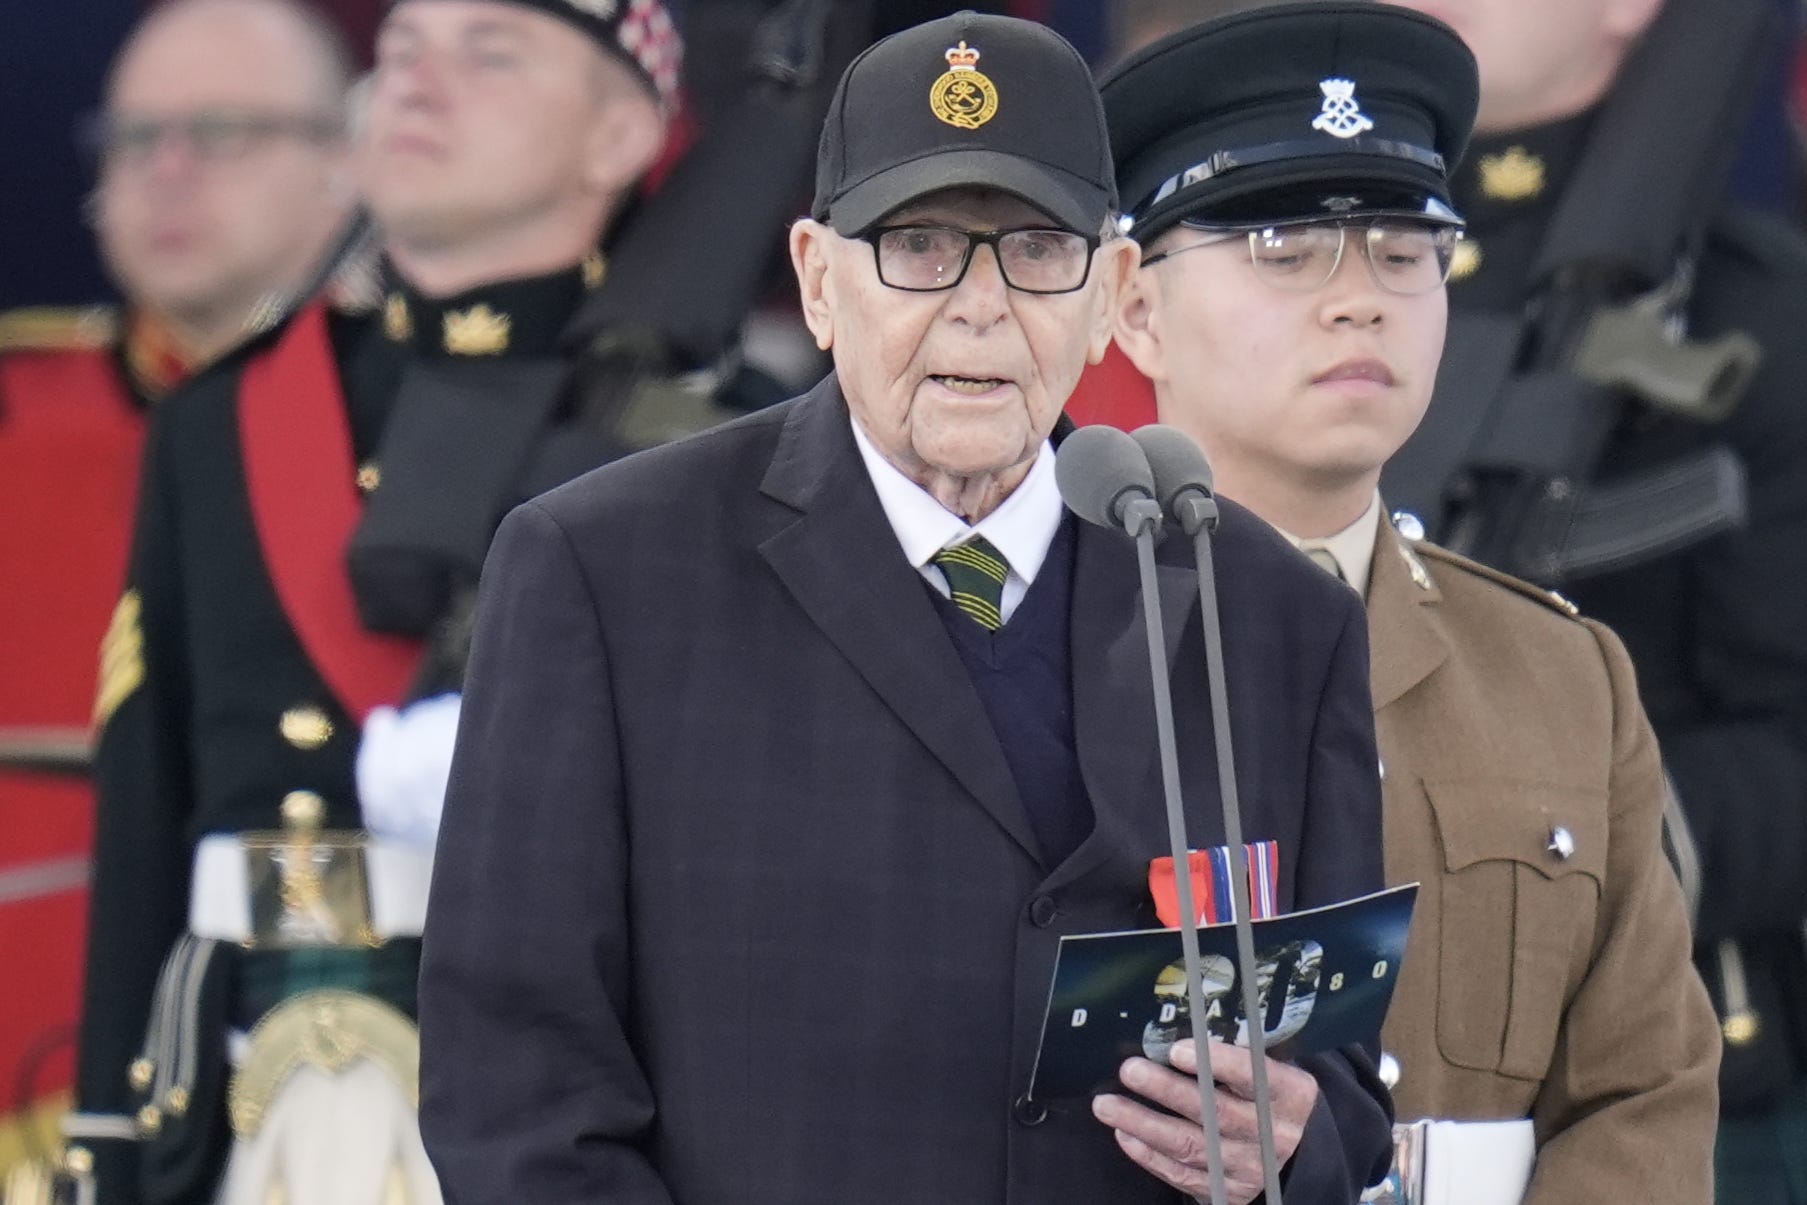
1113,701
1406,643
841,561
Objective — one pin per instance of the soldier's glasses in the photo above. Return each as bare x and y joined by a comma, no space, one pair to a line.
1403,257
211,135
928,259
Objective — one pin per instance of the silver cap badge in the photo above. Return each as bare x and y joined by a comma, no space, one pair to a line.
1342,116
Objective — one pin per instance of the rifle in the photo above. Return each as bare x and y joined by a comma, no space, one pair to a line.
1503,468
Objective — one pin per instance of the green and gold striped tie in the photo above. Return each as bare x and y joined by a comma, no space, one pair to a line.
975,573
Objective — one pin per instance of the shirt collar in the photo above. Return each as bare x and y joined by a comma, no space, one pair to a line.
1352,547
1022,527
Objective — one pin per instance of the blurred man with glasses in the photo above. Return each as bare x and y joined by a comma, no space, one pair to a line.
1290,310
281,675
222,179
224,170
820,729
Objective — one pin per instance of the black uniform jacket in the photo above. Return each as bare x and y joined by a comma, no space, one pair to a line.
736,900
231,711
1718,631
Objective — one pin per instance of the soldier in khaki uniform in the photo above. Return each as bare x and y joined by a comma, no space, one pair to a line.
1291,200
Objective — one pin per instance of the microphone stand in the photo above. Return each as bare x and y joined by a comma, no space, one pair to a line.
1142,518
1197,513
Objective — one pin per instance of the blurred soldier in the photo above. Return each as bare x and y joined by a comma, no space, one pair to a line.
1291,316
1619,412
222,178
314,515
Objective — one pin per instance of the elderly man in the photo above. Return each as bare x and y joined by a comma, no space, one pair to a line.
1291,314
789,752
314,515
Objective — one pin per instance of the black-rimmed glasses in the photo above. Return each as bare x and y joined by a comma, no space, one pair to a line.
212,135
1403,257
928,259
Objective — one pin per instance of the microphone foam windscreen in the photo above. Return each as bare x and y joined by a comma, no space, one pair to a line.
1096,466
1176,461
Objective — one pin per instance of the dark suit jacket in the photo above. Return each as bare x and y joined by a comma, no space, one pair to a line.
735,898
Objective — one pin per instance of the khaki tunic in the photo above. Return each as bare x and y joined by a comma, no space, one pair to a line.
1535,984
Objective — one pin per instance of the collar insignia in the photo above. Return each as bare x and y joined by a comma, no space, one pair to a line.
1467,261
1515,175
478,331
1342,115
594,268
962,96
1420,575
398,324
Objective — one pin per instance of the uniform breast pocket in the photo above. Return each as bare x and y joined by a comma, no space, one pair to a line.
1517,916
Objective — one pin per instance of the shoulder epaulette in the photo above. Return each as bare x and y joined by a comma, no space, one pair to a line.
59,328
1548,598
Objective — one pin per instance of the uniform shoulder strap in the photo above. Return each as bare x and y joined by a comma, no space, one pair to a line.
59,328
1549,598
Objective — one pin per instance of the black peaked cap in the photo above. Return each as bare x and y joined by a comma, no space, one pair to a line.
1294,111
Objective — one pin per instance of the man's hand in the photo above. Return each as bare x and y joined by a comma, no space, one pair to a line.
1173,1148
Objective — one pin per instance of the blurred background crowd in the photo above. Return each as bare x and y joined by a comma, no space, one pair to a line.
102,298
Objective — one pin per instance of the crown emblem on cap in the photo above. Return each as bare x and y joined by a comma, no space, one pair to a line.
963,96
478,331
1342,115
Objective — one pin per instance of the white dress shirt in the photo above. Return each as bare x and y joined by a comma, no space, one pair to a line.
1022,527
1351,548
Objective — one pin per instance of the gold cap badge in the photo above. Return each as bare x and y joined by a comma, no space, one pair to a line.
478,331
1514,175
962,96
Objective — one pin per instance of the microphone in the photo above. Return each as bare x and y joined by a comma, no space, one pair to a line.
1105,478
1182,476
1182,479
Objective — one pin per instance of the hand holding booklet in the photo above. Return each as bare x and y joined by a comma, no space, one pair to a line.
1324,979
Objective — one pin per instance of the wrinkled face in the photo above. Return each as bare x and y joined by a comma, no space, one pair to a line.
968,381
1317,388
486,117
216,185
1541,60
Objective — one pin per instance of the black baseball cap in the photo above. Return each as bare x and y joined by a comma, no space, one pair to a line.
1293,112
971,100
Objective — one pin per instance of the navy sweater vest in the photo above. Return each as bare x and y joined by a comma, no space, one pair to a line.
1024,675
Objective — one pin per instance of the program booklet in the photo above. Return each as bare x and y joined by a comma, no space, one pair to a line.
1324,979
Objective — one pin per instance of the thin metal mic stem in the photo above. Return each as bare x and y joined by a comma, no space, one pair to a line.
1238,859
1182,858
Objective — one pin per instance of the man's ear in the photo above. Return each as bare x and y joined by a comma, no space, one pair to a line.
1138,324
1627,20
625,140
1116,266
809,259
